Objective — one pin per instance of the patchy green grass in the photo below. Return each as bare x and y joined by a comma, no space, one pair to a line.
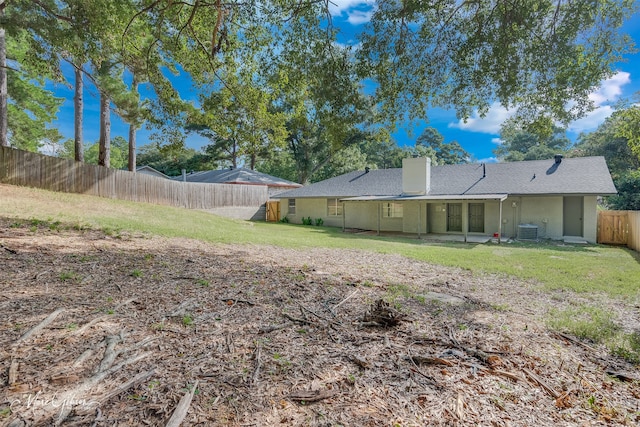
598,326
612,270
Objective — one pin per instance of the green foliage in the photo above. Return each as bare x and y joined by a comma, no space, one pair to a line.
346,160
605,141
170,159
468,55
238,118
307,221
628,127
284,220
119,152
31,107
319,222
628,197
441,153
279,163
527,141
136,273
69,276
187,320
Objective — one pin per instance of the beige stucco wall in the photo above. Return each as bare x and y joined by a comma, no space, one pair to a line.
361,215
543,211
313,207
414,218
547,213
430,217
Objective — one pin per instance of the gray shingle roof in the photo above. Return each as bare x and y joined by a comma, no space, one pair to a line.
580,175
237,176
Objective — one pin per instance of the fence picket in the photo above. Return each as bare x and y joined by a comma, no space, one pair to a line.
28,169
619,228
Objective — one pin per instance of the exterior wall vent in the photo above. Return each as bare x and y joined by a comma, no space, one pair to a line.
527,232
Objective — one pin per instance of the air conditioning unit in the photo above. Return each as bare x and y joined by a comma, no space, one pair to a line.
527,232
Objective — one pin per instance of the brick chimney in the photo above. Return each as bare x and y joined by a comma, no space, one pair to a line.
416,176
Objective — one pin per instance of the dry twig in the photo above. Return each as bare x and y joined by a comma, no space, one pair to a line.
311,395
101,400
542,384
183,407
13,371
256,372
36,329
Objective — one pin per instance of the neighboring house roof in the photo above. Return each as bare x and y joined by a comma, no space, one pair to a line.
148,170
579,175
237,176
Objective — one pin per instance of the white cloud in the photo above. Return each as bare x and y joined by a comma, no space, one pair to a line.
357,11
592,120
336,7
358,17
490,123
487,160
608,92
496,141
611,89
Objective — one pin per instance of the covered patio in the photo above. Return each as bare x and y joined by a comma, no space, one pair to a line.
417,213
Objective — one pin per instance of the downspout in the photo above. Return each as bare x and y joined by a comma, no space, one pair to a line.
343,217
379,213
500,223
419,219
465,223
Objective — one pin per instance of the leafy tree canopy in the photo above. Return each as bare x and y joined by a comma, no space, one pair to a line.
532,56
30,107
628,197
521,142
449,153
172,160
628,126
606,141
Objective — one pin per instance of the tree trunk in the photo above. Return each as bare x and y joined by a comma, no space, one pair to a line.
78,107
132,134
4,96
104,158
234,154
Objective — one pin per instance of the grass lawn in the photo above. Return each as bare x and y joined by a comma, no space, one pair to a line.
614,271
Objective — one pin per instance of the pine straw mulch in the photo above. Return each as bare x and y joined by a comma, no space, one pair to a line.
132,330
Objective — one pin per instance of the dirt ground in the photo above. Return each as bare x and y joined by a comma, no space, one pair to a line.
130,330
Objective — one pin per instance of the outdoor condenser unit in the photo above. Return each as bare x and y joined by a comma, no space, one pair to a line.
527,232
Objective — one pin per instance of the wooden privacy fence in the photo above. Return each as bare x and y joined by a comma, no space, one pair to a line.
24,168
619,228
273,211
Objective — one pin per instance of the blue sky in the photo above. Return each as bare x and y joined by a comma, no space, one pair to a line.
479,136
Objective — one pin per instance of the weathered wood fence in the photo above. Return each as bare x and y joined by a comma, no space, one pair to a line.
619,228
28,169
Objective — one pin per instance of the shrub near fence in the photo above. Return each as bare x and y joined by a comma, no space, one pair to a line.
28,169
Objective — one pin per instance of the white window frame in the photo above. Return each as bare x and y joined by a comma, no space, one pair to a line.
392,210
291,207
334,207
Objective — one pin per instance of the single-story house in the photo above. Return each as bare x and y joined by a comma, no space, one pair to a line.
554,199
239,176
148,170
